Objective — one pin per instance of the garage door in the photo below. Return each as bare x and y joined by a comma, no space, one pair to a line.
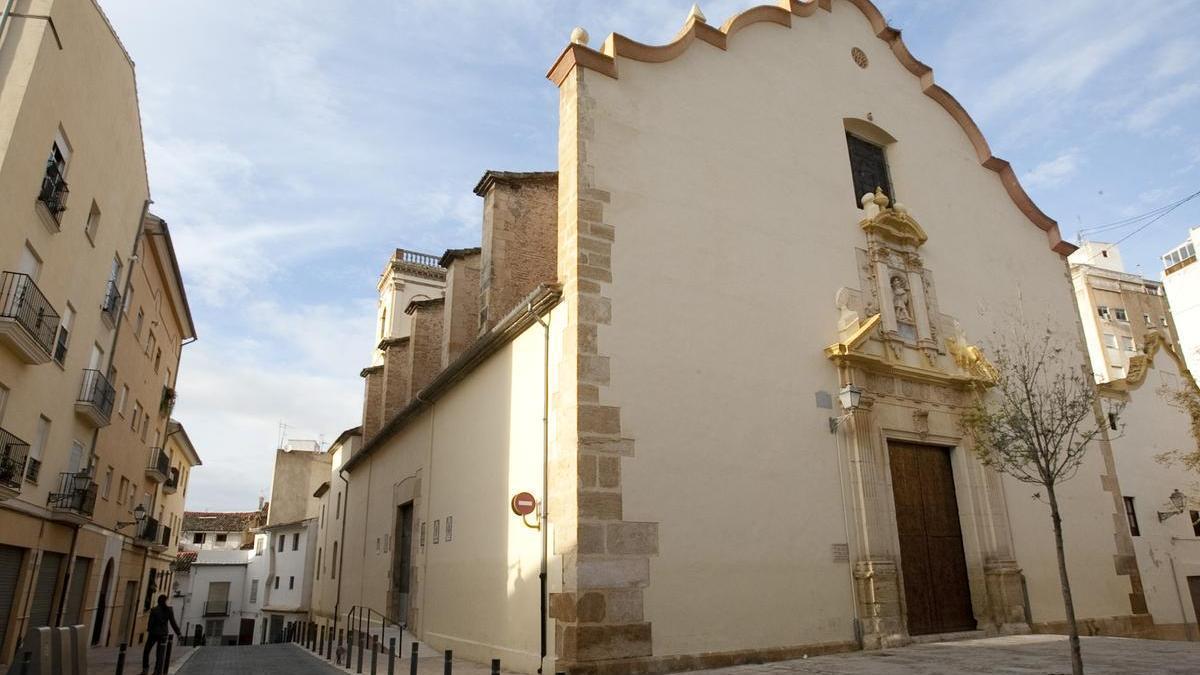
10,570
43,590
79,578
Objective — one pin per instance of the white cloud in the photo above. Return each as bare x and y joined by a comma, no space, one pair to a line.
1175,58
1053,172
1150,113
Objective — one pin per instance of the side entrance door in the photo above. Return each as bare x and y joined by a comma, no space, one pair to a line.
402,563
937,593
246,632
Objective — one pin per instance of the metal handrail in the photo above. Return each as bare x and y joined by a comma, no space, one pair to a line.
361,619
22,301
76,492
13,455
112,302
97,391
160,462
54,190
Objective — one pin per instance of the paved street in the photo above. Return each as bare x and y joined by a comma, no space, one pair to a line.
282,659
1015,655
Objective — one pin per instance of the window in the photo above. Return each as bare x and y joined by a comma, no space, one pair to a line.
1110,340
53,194
1102,310
1195,518
436,529
128,300
337,513
318,562
281,539
868,168
198,538
1127,343
157,359
121,401
1148,320
1164,321
40,438
1119,312
145,425
1112,420
295,541
64,335
151,343
276,583
1179,255
93,223
137,324
258,545
108,477
449,528
291,583
137,415
1131,516
333,562
124,490
253,591
222,537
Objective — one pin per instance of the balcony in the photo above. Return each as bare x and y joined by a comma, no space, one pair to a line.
27,321
167,405
75,499
159,467
96,397
216,608
13,452
164,541
53,197
110,310
172,483
147,532
33,469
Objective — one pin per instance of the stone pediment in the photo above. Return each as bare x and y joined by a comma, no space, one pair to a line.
866,346
891,224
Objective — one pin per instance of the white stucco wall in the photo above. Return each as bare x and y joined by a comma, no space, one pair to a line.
735,219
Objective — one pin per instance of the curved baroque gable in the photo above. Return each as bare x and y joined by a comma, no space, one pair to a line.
617,45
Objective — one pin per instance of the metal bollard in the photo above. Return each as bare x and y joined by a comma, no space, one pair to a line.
321,641
359,639
412,669
495,666
349,646
167,659
25,660
374,654
339,644
120,659
448,668
392,656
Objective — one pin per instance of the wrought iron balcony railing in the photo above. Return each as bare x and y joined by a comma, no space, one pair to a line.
216,608
159,467
54,191
76,494
13,453
167,405
33,469
111,308
147,530
22,302
172,483
96,397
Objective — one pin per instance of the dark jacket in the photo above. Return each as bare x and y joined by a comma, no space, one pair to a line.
161,617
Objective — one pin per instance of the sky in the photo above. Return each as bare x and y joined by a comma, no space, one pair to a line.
293,144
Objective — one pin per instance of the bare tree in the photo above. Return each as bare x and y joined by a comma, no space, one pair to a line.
1035,424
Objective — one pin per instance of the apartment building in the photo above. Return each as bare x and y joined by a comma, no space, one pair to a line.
1181,278
77,240
1118,310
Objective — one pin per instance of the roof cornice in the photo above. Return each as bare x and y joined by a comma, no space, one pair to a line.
617,45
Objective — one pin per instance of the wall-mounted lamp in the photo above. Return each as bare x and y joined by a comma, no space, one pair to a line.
849,397
139,514
1179,502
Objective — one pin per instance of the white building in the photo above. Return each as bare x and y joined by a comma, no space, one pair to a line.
1181,278
283,568
211,596
219,530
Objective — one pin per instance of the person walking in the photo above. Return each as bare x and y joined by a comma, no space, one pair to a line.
161,619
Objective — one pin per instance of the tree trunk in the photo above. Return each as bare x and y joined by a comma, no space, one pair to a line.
1068,603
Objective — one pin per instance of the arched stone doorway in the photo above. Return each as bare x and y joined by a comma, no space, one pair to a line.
101,604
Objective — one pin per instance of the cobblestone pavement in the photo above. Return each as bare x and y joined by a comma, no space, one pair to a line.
282,659
1012,655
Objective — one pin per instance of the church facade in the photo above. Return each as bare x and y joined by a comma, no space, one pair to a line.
719,422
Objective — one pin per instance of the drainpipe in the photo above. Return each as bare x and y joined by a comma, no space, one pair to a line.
112,347
4,18
544,564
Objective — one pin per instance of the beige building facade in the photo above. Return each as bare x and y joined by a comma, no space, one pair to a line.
641,462
1118,310
77,241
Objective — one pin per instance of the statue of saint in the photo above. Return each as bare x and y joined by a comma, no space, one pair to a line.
900,299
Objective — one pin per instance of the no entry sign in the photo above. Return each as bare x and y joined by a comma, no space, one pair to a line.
523,504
